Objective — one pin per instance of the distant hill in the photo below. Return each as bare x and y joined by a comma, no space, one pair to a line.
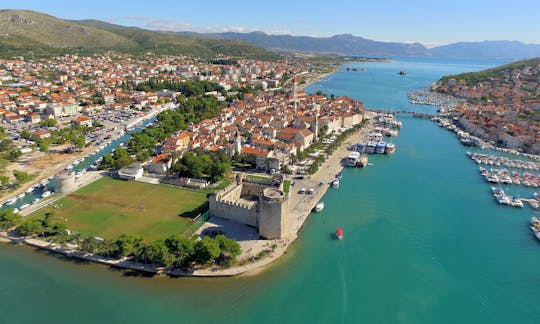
24,31
488,49
345,44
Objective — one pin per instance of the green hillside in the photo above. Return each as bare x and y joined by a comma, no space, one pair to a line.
472,78
26,33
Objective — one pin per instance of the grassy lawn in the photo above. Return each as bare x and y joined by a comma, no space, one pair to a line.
286,186
109,207
256,177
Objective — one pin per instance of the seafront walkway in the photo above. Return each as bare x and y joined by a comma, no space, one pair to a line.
301,205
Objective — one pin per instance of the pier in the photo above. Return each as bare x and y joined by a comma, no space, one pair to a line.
405,112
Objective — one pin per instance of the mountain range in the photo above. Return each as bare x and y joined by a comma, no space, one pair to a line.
23,31
347,44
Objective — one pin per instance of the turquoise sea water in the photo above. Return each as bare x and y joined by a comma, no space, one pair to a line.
424,242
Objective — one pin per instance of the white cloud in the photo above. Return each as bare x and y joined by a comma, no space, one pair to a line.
170,25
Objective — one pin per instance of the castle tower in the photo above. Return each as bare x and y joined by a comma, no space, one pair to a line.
238,143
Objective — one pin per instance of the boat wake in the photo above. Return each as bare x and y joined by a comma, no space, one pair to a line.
343,283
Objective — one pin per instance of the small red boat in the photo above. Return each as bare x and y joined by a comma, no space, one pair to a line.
339,233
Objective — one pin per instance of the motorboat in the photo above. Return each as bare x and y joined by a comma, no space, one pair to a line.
534,221
516,202
319,207
46,194
390,148
497,191
10,202
380,148
335,183
371,147
339,233
21,195
23,206
352,159
29,190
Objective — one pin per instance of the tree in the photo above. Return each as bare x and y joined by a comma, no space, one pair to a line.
107,162
49,122
8,219
26,134
90,244
44,146
206,250
181,248
79,141
21,176
128,244
230,249
30,226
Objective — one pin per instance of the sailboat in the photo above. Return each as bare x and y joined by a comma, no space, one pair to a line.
401,72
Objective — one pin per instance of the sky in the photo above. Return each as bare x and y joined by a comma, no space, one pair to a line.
433,22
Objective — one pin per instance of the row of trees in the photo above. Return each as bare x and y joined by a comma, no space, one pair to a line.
172,252
188,88
32,226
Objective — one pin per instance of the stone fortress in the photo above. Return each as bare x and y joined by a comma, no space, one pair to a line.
258,203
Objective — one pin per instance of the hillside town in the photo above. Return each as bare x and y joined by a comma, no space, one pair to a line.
502,106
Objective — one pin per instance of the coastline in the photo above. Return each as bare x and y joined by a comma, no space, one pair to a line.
303,206
315,79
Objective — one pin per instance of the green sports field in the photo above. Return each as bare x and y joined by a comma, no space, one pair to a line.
109,207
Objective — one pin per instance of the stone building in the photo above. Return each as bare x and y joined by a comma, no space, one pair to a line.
261,204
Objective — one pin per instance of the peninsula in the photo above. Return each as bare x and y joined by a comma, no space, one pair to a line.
501,105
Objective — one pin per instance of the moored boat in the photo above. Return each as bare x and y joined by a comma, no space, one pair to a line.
335,183
390,148
46,194
319,207
23,206
339,233
352,159
380,148
10,201
516,202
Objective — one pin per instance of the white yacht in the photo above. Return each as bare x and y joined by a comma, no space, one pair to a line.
319,207
21,195
10,202
380,148
516,202
497,191
23,206
46,194
371,147
353,159
335,183
390,148
29,190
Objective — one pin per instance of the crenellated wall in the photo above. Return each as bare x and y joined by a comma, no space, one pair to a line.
268,213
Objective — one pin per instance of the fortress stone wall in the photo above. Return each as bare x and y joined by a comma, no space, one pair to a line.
256,203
